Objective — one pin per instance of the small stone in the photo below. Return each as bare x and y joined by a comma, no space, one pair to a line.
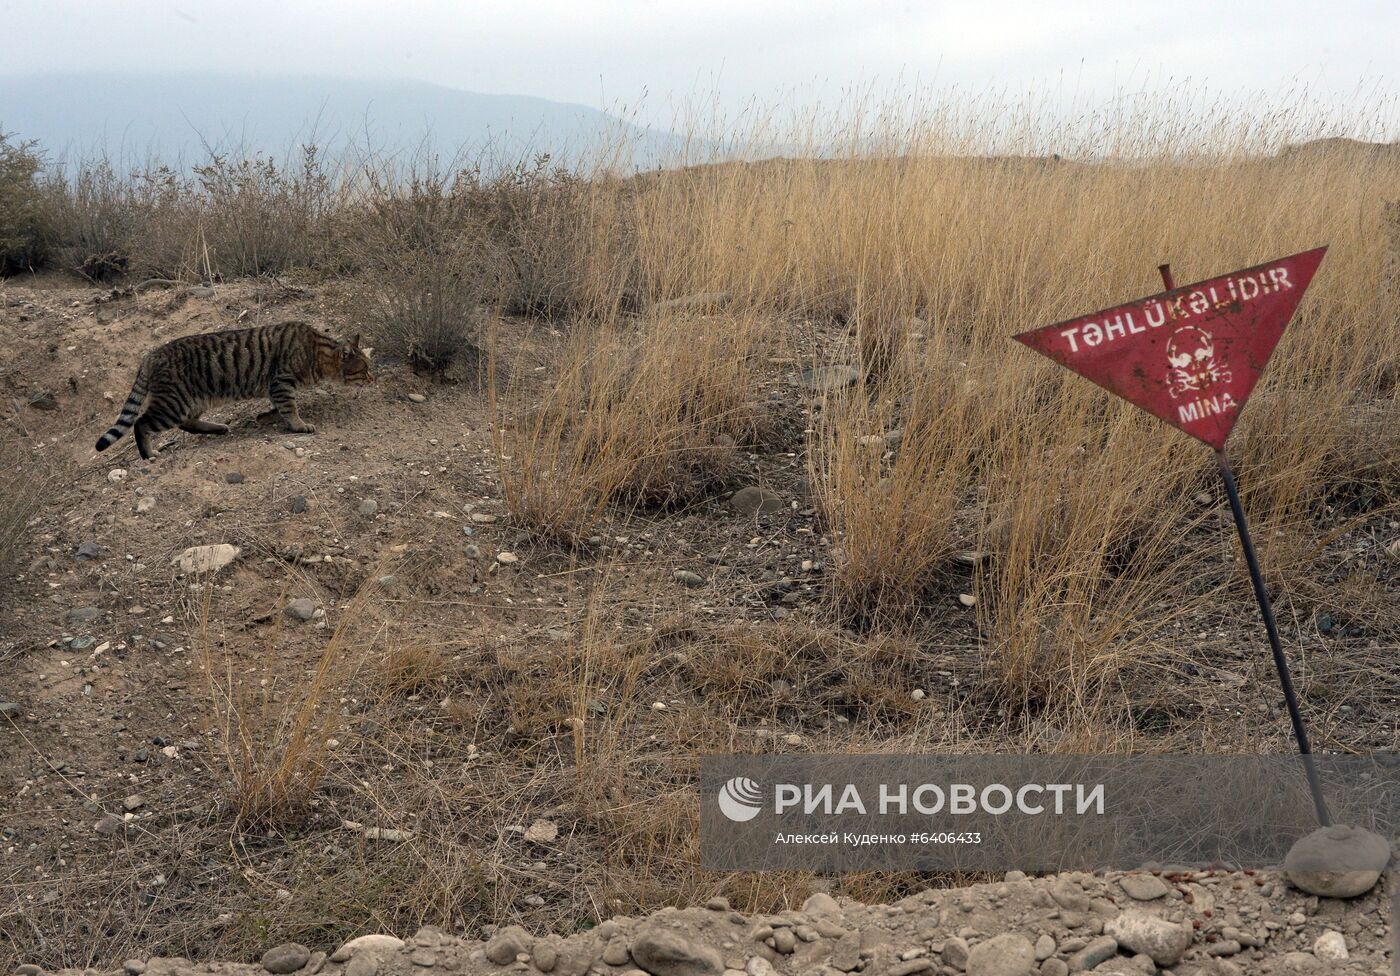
967,599
955,952
507,558
302,608
1137,931
200,291
973,557
418,398
785,941
1143,887
206,559
145,503
29,969
389,835
847,955
285,958
9,709
542,832
298,504
687,578
756,501
472,551
484,518
545,957
615,952
135,802
88,550
368,506
507,943
910,967
1054,967
1299,961
116,475
1331,946
1070,896
718,904
1337,861
1045,947
234,478
423,957
1008,954
134,967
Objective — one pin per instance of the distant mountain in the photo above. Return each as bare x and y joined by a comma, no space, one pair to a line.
174,117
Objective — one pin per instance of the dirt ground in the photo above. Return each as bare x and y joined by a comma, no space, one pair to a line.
453,725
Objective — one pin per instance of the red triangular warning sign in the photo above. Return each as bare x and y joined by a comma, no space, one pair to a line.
1190,356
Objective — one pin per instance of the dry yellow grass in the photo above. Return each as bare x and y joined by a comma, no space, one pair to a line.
273,739
639,415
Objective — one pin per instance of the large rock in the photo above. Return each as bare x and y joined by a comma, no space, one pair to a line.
1166,942
663,952
367,945
821,903
1008,954
1337,861
206,559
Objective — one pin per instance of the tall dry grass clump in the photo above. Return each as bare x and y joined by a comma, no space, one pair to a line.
275,739
638,415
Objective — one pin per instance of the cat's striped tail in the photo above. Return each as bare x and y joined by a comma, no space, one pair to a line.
130,411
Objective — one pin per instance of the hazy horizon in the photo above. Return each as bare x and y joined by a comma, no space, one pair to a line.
653,63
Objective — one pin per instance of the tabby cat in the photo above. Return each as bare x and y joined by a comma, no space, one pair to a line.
185,377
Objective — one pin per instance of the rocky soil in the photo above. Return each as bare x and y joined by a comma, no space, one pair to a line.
459,786
1135,924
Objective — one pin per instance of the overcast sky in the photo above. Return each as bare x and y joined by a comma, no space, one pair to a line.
655,55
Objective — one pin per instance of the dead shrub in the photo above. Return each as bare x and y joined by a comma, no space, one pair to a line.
422,266
23,235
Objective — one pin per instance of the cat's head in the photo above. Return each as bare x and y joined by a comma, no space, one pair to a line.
354,362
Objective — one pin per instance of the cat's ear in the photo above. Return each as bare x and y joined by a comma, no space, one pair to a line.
355,342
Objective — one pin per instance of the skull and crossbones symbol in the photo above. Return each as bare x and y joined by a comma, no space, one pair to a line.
1194,366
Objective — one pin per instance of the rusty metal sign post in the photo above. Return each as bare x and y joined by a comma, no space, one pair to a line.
1191,357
